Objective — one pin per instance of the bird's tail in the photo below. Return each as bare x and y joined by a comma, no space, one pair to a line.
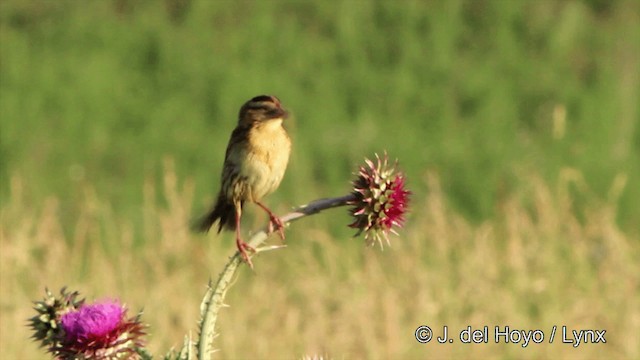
224,211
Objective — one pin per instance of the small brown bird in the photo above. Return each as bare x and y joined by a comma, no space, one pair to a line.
255,162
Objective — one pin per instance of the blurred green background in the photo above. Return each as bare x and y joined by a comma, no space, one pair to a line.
99,92
524,112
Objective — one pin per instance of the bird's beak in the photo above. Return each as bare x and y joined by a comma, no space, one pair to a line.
278,113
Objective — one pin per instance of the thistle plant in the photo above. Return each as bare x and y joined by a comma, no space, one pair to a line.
71,329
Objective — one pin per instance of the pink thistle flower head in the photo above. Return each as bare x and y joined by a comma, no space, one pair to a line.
381,200
92,322
100,331
71,329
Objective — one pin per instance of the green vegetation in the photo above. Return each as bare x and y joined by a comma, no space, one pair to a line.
114,119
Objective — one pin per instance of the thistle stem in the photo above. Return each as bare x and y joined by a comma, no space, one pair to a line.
214,297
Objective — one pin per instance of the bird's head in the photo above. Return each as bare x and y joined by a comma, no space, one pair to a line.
261,108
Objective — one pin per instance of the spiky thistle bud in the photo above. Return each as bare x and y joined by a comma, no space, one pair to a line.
380,200
46,324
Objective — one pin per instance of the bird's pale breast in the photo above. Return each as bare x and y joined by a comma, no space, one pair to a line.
265,159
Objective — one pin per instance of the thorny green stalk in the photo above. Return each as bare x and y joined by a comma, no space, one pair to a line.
214,297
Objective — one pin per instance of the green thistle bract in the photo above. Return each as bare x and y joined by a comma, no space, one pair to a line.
46,324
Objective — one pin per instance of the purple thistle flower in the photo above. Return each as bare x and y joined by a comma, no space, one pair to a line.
71,329
100,331
381,200
93,322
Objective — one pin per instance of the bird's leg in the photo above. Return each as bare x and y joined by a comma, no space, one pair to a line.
273,221
242,246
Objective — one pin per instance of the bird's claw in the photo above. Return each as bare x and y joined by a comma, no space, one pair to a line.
275,223
242,249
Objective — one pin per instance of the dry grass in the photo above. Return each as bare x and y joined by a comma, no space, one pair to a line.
536,265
